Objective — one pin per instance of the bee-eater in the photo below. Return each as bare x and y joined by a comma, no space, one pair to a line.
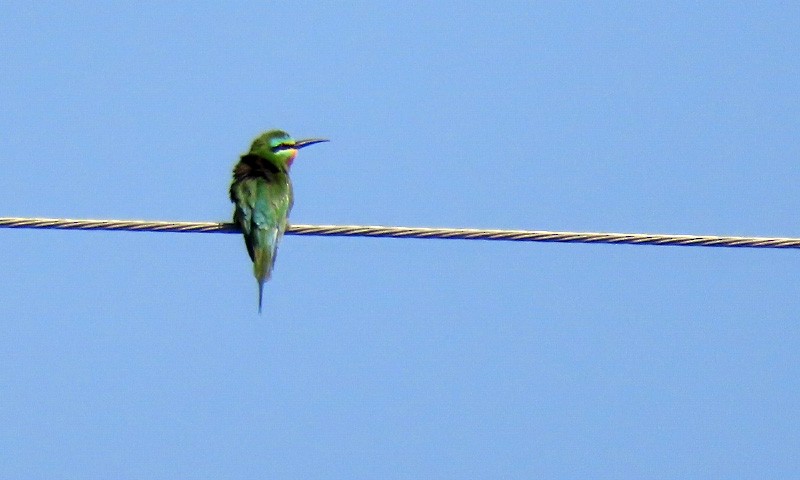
262,193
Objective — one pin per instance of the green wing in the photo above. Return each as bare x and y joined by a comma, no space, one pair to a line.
262,209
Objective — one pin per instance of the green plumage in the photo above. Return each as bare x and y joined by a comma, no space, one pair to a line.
262,194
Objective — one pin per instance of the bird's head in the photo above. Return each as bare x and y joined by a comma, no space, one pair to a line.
279,148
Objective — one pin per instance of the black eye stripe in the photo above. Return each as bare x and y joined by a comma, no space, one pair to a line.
282,146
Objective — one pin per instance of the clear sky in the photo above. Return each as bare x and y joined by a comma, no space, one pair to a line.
141,355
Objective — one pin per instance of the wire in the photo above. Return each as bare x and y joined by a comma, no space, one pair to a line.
411,232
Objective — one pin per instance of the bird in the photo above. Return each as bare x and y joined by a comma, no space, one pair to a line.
261,192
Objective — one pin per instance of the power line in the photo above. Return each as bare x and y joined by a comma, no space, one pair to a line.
411,232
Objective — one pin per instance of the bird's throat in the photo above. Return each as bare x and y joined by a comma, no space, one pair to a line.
290,159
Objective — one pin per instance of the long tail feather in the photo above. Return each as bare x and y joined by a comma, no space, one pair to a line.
265,246
260,294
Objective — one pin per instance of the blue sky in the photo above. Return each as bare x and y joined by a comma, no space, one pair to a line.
141,355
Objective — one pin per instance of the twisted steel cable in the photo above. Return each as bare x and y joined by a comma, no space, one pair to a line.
411,232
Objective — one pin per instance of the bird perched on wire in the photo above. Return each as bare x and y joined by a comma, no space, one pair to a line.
262,194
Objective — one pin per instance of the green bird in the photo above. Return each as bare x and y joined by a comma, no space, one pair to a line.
262,194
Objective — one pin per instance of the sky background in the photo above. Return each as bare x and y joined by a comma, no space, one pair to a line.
141,355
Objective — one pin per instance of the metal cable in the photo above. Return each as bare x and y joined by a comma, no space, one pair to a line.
411,232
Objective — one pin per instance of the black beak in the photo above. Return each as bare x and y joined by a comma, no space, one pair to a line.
309,141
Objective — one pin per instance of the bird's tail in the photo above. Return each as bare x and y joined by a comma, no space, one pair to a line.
262,267
260,294
263,258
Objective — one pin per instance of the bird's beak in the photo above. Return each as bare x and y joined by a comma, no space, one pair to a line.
309,141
